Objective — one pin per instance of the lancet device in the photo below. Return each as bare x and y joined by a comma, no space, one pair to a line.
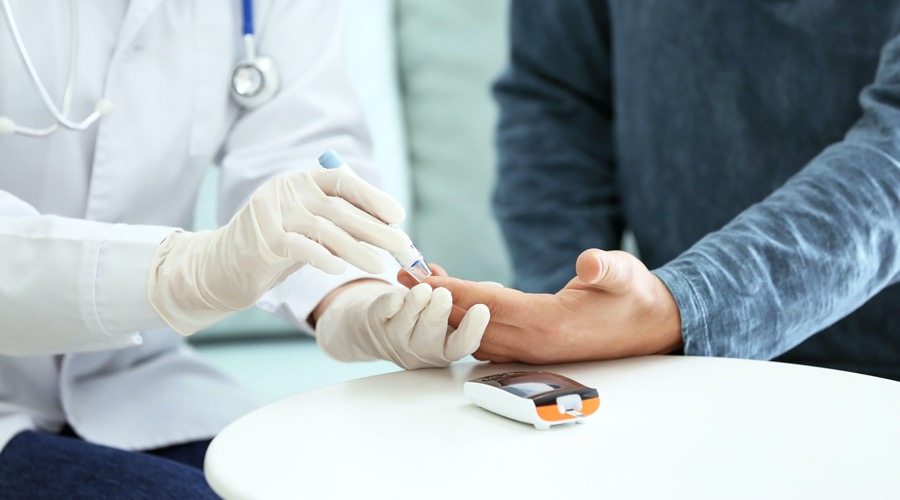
410,259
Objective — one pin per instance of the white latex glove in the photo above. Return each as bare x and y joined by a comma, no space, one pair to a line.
316,218
407,326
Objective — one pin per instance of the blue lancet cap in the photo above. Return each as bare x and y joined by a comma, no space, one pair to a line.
330,159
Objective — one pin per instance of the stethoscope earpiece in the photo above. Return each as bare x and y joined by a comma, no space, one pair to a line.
104,107
7,126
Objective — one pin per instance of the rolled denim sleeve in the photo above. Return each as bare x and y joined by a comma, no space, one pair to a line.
809,254
556,191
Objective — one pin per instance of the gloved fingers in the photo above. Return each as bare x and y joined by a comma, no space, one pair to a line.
466,339
386,306
299,248
400,326
380,316
302,199
456,315
430,333
359,224
344,183
338,242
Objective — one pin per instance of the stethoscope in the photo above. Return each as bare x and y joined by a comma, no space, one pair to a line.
254,80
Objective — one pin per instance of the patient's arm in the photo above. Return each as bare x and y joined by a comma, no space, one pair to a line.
613,308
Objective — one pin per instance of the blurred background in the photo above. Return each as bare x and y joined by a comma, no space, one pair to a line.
422,70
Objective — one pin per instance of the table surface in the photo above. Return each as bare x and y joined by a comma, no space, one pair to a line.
667,427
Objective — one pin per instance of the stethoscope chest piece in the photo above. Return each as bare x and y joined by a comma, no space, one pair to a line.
254,81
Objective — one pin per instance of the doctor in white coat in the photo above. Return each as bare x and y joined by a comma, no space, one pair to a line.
98,393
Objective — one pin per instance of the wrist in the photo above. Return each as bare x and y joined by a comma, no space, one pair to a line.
668,324
173,289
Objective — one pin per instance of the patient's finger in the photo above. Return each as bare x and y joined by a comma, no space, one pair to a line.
407,280
456,315
505,343
437,270
506,304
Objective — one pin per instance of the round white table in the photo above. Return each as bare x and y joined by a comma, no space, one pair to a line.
667,427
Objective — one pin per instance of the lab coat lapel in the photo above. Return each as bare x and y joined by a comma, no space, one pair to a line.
138,13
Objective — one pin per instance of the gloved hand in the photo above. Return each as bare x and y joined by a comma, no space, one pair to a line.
409,327
316,218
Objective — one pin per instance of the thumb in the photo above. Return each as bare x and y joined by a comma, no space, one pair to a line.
386,306
611,271
467,338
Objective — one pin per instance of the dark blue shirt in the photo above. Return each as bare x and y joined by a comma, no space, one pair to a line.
751,146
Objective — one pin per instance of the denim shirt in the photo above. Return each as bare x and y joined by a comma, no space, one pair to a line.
753,148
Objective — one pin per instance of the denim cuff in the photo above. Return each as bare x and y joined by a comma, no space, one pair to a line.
695,330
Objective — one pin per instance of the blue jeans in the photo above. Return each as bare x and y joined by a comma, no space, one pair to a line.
42,465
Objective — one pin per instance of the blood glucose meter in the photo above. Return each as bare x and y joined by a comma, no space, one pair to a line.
534,397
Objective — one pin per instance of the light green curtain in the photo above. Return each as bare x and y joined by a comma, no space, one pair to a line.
449,55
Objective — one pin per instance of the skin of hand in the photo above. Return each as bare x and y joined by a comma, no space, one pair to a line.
614,308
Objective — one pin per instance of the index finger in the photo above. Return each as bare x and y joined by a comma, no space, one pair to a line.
406,279
507,305
344,183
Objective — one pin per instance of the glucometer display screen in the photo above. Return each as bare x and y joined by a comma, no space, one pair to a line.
529,389
537,385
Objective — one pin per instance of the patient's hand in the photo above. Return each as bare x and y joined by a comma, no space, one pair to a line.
613,308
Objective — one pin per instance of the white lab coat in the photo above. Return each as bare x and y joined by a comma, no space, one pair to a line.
81,214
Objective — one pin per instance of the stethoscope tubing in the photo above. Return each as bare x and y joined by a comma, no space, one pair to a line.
59,114
103,107
247,6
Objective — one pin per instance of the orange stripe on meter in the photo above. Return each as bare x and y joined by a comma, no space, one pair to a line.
550,413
